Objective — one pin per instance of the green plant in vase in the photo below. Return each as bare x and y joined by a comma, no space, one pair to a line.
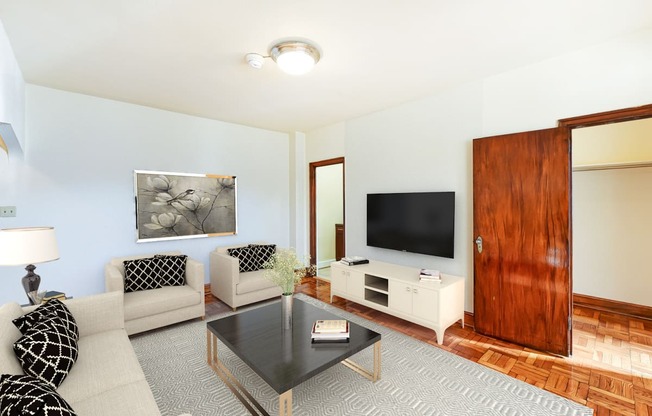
286,270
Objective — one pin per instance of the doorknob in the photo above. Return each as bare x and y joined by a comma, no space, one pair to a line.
478,242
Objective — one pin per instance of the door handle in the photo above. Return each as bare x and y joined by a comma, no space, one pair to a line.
478,243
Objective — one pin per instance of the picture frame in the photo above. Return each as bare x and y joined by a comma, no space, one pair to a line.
171,205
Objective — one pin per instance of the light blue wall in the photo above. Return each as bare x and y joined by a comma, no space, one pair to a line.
77,176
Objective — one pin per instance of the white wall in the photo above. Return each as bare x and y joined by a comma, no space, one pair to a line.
611,234
329,210
298,197
12,107
604,77
12,88
420,146
426,144
326,143
78,177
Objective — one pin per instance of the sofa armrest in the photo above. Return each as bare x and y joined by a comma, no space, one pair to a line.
113,279
195,274
227,267
225,275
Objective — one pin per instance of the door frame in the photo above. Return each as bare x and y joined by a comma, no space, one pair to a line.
313,201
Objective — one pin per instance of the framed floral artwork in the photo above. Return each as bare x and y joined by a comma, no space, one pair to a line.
181,205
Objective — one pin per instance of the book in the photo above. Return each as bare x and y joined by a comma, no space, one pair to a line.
330,326
330,330
355,260
53,294
429,273
326,342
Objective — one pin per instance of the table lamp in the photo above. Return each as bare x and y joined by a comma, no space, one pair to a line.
27,246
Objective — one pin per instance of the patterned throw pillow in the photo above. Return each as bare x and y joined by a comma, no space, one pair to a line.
47,351
141,274
172,269
27,395
263,253
53,308
247,256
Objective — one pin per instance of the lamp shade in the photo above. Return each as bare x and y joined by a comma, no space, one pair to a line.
30,245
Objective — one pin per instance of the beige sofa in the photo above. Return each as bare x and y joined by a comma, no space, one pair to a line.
106,379
235,288
149,309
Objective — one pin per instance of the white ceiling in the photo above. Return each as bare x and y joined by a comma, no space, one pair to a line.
188,56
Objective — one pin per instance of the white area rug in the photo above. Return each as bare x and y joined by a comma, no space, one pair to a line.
416,379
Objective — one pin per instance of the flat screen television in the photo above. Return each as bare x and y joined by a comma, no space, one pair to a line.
416,222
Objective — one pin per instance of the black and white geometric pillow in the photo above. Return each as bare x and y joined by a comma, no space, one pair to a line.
263,252
27,395
141,274
53,308
172,269
247,256
47,351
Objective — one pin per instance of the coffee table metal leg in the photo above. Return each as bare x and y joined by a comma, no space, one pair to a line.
285,403
234,385
373,375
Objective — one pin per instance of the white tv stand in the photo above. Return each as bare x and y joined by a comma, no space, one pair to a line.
396,290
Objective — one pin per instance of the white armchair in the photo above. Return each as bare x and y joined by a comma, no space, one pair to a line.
154,308
237,288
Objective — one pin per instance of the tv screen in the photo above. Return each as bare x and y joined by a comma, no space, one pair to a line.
420,222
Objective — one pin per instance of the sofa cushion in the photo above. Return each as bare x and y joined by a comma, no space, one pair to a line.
106,362
53,308
172,269
252,281
155,301
142,274
9,334
129,399
248,258
47,351
263,253
27,395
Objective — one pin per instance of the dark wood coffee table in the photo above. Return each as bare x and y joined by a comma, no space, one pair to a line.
284,358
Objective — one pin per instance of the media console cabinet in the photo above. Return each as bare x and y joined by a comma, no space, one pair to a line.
396,290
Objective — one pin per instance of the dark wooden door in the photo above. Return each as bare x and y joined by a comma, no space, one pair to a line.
521,210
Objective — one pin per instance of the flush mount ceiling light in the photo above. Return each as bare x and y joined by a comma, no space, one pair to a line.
293,57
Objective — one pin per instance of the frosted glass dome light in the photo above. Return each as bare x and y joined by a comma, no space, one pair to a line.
295,57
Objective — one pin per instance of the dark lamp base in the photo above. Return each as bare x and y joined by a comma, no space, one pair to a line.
31,281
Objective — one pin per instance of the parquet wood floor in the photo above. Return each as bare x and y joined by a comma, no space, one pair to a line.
610,370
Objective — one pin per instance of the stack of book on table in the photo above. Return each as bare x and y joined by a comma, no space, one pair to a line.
355,260
52,294
428,275
330,330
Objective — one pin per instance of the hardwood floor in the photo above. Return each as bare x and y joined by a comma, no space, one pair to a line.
610,371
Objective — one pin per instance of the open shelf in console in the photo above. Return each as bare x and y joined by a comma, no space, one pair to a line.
376,297
376,283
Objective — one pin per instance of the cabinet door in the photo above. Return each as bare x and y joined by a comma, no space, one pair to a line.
338,279
425,303
400,296
355,284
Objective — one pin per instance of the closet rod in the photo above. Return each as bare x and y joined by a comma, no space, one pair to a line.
605,166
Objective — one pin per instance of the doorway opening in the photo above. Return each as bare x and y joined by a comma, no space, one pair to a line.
612,168
326,214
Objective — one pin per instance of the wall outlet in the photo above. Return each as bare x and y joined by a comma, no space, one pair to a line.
7,211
